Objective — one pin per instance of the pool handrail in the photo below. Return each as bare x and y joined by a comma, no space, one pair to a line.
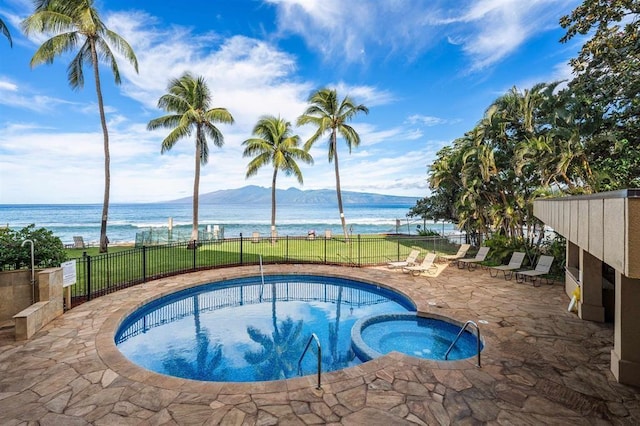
311,339
464,327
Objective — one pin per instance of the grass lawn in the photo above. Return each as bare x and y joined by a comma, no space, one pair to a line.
125,265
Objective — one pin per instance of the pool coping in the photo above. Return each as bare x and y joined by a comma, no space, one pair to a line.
114,359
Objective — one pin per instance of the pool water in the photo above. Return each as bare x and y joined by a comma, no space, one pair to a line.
241,330
428,338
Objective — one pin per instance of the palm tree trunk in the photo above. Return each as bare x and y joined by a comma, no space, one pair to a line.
107,158
196,188
338,192
273,207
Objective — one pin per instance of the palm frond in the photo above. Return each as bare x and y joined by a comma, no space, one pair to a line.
5,31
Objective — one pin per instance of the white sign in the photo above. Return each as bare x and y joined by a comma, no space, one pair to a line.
68,273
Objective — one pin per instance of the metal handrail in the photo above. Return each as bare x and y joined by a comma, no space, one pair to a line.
464,327
312,338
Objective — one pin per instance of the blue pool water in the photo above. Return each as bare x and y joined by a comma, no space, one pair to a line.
241,330
421,337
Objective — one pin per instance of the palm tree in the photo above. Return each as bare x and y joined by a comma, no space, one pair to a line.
4,30
329,115
189,102
77,23
274,144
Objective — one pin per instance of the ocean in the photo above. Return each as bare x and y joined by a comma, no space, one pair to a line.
127,220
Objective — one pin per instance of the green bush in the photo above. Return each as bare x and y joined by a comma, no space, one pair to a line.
556,247
502,247
48,250
426,232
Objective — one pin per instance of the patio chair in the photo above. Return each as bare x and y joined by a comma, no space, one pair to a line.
515,263
542,268
78,242
462,252
472,263
427,266
411,259
255,237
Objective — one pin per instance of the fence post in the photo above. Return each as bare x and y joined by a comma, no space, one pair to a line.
325,249
359,242
241,248
195,249
398,249
286,249
88,275
144,263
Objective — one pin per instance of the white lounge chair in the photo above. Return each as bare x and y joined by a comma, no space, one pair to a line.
462,252
514,263
411,259
426,266
472,263
542,268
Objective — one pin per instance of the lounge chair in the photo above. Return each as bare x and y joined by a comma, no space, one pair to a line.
411,259
514,263
462,252
472,263
426,266
542,268
78,242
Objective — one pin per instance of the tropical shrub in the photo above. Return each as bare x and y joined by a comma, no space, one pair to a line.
427,232
48,250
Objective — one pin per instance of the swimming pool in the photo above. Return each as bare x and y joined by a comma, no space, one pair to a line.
241,330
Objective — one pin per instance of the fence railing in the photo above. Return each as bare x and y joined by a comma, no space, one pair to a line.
105,273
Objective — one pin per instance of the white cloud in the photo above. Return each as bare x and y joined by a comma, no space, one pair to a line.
486,30
425,120
249,77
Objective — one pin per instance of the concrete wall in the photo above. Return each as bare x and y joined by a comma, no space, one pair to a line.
15,292
604,229
50,305
608,227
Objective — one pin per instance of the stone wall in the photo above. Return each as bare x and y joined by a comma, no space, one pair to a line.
15,292
49,305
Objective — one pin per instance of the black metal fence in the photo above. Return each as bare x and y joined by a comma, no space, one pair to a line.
106,273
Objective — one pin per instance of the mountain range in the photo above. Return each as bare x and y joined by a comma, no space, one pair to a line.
260,195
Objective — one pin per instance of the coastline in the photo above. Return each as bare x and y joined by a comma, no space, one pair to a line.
127,222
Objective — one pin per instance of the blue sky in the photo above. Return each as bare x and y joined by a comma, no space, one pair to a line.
426,69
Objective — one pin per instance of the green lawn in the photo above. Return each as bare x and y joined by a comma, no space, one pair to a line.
126,265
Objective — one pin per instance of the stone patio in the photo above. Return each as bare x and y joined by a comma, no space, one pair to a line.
541,365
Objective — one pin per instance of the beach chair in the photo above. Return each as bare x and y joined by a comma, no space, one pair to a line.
472,263
411,259
515,263
542,268
255,237
78,242
427,266
462,252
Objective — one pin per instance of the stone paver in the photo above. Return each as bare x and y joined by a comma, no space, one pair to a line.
541,365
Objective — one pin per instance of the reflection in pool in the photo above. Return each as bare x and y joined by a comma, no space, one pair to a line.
241,330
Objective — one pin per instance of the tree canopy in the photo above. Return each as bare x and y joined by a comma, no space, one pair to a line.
552,138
